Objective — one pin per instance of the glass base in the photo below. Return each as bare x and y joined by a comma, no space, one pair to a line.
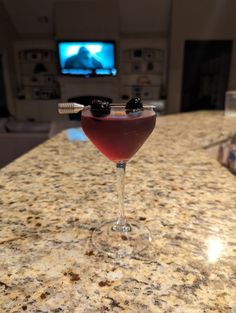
120,241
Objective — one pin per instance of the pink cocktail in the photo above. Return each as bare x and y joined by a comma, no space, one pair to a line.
118,133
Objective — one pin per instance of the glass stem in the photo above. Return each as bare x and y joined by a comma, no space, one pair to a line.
121,223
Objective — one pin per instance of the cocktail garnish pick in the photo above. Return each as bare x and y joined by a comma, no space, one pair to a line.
69,108
135,104
73,108
100,108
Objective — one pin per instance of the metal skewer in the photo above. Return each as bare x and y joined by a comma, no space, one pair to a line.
73,108
69,108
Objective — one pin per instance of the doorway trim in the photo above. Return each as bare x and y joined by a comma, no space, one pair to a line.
7,83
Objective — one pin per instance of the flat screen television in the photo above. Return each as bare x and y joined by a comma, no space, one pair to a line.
87,58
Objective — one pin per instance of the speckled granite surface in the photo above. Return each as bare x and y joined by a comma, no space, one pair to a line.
52,197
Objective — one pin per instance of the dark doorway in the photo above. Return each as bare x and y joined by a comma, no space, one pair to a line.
205,74
3,102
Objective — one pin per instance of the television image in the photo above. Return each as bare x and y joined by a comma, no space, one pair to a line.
87,58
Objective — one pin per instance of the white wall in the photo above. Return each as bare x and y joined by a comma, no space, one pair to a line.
85,20
130,23
135,17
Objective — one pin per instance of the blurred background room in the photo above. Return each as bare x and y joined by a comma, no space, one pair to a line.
177,54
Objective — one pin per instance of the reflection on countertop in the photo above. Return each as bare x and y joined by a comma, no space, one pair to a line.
52,197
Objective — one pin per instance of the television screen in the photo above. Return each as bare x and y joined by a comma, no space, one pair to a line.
87,58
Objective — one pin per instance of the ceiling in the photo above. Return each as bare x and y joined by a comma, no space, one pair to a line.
135,16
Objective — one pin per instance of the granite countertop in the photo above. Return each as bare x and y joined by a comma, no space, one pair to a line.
52,197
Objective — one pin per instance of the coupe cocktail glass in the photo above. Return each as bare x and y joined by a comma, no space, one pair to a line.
119,135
